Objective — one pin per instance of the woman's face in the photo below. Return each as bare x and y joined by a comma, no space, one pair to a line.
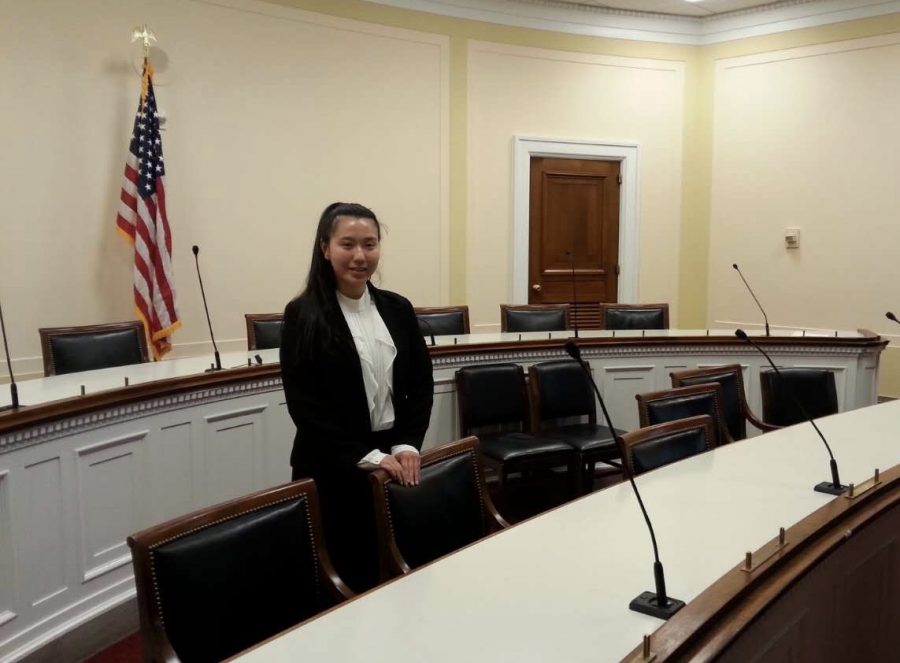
353,251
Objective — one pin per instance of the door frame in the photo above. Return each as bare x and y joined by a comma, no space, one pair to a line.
525,147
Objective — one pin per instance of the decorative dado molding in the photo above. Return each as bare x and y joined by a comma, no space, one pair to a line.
128,411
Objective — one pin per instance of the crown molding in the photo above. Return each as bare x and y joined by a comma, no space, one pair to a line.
571,18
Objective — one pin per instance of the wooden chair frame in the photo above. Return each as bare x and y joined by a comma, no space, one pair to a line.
156,644
428,310
48,333
678,378
250,318
714,388
390,558
566,308
604,307
628,441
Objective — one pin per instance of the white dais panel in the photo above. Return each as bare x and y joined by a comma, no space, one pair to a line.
7,584
171,470
232,440
619,386
42,555
108,476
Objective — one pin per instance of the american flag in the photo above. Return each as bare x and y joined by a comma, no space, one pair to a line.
142,220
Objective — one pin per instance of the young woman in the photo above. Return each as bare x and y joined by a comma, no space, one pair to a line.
357,377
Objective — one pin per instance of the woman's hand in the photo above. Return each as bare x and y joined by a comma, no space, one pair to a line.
410,463
393,467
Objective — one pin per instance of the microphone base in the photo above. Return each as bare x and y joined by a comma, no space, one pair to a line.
213,369
646,604
9,408
830,488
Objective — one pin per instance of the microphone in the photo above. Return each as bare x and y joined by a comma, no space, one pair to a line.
259,361
658,605
835,487
571,255
218,366
423,321
13,388
891,316
765,317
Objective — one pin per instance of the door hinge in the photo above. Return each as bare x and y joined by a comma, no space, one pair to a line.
619,179
617,270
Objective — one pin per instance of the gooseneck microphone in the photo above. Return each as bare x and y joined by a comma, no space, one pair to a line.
13,389
834,487
571,255
891,316
218,366
660,604
752,294
423,321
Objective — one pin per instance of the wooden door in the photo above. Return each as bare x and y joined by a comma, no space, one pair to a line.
574,222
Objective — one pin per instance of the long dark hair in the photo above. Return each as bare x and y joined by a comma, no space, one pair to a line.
319,325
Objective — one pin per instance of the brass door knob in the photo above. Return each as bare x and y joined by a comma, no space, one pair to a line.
536,287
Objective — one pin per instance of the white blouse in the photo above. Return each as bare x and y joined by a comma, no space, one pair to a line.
377,351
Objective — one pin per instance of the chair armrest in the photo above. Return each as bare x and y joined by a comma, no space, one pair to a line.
761,425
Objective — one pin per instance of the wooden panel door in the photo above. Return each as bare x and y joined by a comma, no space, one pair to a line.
574,222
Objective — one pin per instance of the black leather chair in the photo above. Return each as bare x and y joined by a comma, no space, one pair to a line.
654,446
534,317
735,409
634,316
493,404
449,509
263,330
89,347
443,320
813,387
212,583
671,404
560,390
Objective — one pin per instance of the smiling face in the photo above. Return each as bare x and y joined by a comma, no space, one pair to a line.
353,251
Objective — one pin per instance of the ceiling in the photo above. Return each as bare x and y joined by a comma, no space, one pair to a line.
699,8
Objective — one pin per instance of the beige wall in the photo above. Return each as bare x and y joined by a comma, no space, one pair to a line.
808,137
277,108
272,114
520,91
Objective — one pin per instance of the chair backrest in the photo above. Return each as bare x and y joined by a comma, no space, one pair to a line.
671,404
813,387
534,317
489,395
449,509
89,347
263,330
560,389
654,446
443,320
212,583
734,400
634,316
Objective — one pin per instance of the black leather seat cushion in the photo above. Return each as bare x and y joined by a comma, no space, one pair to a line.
732,411
232,585
668,449
268,334
587,438
635,319
86,352
442,514
506,447
814,388
535,320
672,409
442,324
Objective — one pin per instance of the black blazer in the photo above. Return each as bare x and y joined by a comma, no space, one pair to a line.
326,396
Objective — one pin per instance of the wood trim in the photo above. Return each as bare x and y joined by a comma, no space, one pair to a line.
153,634
250,318
628,441
427,310
566,308
25,415
47,333
705,628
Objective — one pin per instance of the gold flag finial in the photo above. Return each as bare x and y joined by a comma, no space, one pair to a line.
146,36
